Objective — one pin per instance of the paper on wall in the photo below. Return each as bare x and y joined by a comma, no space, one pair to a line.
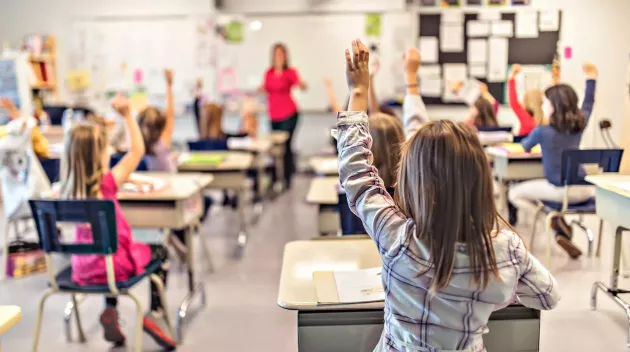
502,29
431,86
498,59
452,16
478,28
477,51
430,70
453,73
452,38
489,15
549,20
428,47
527,24
478,70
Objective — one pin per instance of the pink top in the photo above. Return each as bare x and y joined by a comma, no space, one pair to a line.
130,258
280,104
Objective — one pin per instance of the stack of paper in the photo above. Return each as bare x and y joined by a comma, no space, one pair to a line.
517,148
346,287
491,138
143,184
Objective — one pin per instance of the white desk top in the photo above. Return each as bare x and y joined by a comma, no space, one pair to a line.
323,190
608,181
256,145
302,258
234,161
324,165
498,152
179,187
9,316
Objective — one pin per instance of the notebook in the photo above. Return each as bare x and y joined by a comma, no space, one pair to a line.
517,148
348,287
202,159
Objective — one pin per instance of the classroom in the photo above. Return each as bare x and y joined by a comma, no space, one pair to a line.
315,176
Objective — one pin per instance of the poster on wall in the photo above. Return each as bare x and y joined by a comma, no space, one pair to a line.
521,2
474,2
497,2
450,3
428,3
373,25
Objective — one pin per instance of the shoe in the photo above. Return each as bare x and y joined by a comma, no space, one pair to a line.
566,244
154,324
559,225
111,327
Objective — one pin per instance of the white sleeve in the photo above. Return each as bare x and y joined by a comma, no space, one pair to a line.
414,114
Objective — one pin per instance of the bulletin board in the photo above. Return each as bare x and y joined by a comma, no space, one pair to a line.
540,50
14,83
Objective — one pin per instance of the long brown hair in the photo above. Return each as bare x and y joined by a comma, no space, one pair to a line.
387,135
445,186
82,166
485,114
212,122
567,116
285,52
152,122
533,101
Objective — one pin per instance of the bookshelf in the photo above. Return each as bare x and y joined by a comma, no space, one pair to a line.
42,51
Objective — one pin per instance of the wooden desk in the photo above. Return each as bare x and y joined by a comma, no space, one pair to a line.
358,327
324,165
323,192
9,317
613,205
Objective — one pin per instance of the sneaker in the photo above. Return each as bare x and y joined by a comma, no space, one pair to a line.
154,324
111,327
559,225
566,244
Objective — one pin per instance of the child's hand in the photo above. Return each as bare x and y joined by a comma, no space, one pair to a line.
8,106
412,60
327,82
516,69
168,75
590,70
357,67
121,104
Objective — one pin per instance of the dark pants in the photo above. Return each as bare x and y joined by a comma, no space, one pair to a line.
158,252
197,112
288,125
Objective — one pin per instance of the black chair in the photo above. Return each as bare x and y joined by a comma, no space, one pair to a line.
350,223
507,129
208,145
115,159
51,168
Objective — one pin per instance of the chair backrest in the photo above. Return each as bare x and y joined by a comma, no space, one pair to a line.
507,129
208,145
99,214
51,168
518,139
608,160
350,223
115,159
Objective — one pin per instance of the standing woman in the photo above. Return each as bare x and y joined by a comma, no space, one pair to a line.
282,109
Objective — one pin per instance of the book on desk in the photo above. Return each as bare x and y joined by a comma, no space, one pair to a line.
348,287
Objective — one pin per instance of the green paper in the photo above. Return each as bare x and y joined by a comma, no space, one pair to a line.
373,25
204,159
234,32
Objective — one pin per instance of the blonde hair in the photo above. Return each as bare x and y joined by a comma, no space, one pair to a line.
387,136
445,186
82,166
152,123
532,102
212,122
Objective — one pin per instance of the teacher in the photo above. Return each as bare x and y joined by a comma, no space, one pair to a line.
283,112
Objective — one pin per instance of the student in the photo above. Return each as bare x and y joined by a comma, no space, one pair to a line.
85,174
198,103
566,125
473,90
531,115
447,264
481,114
38,140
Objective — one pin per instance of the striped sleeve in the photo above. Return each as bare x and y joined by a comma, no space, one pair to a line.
536,287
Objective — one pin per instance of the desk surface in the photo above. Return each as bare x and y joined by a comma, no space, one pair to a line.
302,258
179,187
608,181
9,316
323,191
324,165
234,161
279,137
498,152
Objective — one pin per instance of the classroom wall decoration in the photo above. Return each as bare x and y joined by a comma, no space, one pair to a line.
459,45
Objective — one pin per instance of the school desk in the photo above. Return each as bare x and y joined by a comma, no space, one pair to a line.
509,166
358,327
613,205
229,173
324,165
323,193
278,151
9,316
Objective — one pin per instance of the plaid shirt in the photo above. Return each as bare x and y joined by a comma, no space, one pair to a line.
455,318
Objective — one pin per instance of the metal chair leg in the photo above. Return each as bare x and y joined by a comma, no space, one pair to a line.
549,238
140,318
599,238
589,234
205,249
534,225
161,290
40,313
77,316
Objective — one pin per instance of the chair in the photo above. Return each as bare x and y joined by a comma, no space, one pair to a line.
572,159
51,168
100,215
507,129
208,145
350,223
115,159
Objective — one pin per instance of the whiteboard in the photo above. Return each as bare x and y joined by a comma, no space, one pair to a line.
316,45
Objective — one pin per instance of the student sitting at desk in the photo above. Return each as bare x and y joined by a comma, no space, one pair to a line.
481,114
84,174
529,114
40,143
566,125
447,264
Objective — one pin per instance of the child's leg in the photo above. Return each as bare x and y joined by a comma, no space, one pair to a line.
154,323
109,321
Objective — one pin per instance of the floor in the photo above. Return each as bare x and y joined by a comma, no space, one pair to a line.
241,312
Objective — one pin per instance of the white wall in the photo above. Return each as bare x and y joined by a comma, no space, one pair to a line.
288,6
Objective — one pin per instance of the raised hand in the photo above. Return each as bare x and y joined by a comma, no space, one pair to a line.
327,82
412,60
121,104
590,70
168,76
516,69
358,66
8,106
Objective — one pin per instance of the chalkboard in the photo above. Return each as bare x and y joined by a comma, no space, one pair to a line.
526,51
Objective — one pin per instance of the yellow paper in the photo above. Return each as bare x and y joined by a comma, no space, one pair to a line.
515,148
78,80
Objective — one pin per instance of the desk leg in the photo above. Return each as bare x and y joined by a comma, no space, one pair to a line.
242,233
193,288
279,158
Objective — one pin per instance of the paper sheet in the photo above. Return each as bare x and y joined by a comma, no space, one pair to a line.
452,16
502,29
478,70
498,59
453,73
359,285
428,47
549,20
470,92
489,15
431,86
477,51
430,70
527,24
452,38
478,28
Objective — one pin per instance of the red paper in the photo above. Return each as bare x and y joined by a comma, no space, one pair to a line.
568,52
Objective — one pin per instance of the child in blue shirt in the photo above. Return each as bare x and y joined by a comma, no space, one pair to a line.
566,125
